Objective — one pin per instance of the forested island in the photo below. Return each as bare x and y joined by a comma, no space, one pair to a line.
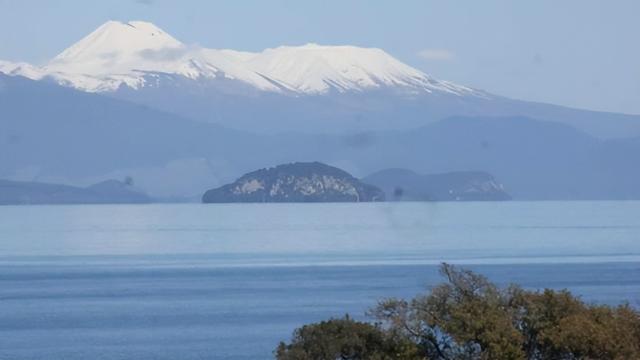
296,182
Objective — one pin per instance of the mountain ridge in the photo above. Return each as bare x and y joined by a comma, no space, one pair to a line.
123,53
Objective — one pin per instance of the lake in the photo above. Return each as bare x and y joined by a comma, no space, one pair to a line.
229,281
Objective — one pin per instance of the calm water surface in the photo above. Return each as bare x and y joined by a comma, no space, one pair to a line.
230,281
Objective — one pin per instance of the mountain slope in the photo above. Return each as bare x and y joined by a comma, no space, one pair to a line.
55,134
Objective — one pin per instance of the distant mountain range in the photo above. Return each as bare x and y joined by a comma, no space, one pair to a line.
296,182
106,192
54,134
310,88
136,54
130,100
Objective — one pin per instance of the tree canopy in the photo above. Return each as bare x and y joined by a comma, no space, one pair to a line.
469,318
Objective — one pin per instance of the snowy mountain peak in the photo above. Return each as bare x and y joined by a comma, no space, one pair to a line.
114,46
318,69
115,37
130,53
314,68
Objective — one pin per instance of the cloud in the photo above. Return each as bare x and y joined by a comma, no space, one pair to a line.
436,55
167,53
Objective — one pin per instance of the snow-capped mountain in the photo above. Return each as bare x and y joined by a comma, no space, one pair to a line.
315,68
133,54
308,89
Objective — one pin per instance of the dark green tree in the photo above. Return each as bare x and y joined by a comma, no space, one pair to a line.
345,339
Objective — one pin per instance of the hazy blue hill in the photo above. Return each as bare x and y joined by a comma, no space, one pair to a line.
49,132
407,185
109,192
297,182
533,159
372,110
93,132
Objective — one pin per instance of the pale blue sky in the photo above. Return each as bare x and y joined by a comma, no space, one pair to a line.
581,53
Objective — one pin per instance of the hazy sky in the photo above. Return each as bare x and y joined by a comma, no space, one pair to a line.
579,53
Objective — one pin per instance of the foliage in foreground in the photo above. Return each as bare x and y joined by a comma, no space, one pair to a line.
346,339
468,318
